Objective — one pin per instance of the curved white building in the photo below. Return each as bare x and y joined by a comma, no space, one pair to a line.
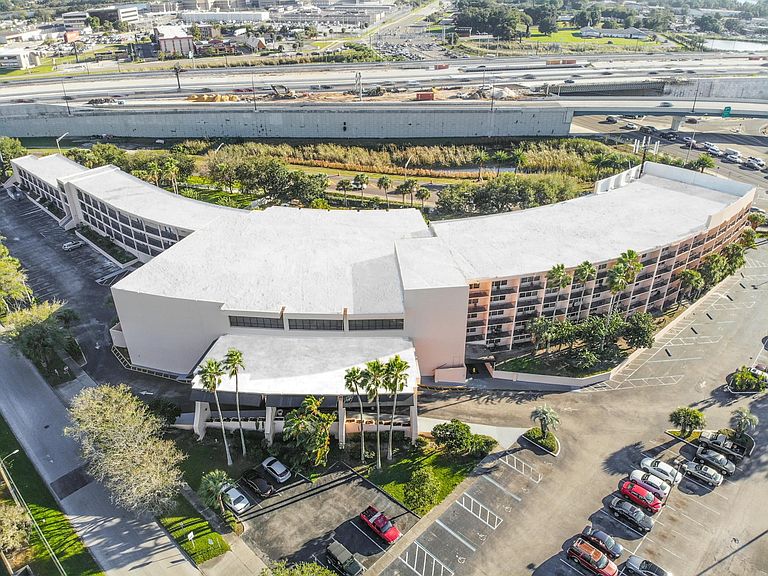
308,293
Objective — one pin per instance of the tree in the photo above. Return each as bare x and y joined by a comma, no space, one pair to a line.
756,219
93,23
691,282
713,269
373,380
601,161
121,442
454,437
541,331
212,486
500,157
748,238
395,379
233,363
734,257
13,280
320,204
631,260
481,158
384,183
407,187
169,169
353,382
210,374
14,526
703,162
299,569
360,181
583,273
558,278
36,332
10,148
519,158
548,25
743,420
687,419
639,329
546,417
344,186
309,430
422,491
422,194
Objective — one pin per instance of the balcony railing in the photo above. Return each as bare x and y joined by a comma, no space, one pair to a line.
478,293
502,305
503,290
531,286
525,316
499,320
499,334
477,308
528,300
474,323
475,337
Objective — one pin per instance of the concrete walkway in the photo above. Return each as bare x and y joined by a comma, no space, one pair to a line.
239,561
122,544
505,435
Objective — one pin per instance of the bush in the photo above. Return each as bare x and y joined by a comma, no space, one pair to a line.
745,381
164,409
454,437
421,444
549,442
482,445
421,491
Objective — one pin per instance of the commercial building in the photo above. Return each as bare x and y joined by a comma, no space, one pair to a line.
174,40
18,58
200,16
75,20
116,13
306,294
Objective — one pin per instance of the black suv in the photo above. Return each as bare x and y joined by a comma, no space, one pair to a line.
255,482
603,541
626,511
342,560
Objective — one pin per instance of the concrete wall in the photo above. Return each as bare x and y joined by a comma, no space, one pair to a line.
296,121
556,380
714,88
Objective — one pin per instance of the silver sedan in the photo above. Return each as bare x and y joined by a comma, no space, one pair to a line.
703,473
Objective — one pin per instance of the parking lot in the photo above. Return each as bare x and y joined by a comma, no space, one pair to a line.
299,521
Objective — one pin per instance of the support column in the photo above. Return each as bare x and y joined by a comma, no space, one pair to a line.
342,431
677,121
202,413
269,425
414,422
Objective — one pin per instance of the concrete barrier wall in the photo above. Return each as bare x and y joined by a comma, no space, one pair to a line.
556,380
715,88
294,121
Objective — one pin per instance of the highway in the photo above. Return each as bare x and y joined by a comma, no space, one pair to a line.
527,72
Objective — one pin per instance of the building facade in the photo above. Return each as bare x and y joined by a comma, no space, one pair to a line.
174,40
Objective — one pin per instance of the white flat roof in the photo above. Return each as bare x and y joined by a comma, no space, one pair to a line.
276,364
655,210
49,168
171,32
303,260
134,196
427,263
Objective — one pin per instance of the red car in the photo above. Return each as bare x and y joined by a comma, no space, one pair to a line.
586,555
380,524
640,496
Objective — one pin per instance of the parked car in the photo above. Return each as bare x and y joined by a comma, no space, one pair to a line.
602,541
640,496
689,140
255,482
760,370
754,163
661,470
627,511
715,460
720,442
641,567
235,499
74,245
380,524
703,473
666,105
586,555
734,159
631,126
276,469
671,136
342,560
569,81
653,484
611,119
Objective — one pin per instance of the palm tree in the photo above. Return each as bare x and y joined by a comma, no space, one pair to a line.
373,379
384,183
734,257
541,330
601,161
361,180
703,162
691,281
395,379
518,158
559,278
169,168
500,157
210,376
233,363
631,261
743,420
481,158
546,417
153,171
353,381
345,186
583,273
212,486
422,194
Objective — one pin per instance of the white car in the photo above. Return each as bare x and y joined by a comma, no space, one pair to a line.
69,246
752,164
713,150
689,140
703,473
653,484
661,470
758,161
734,158
235,500
276,469
631,126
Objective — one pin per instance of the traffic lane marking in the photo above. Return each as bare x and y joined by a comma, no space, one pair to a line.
366,535
455,535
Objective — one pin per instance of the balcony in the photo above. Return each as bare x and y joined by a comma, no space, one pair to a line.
502,305
551,298
525,316
531,286
474,323
477,308
499,320
656,296
644,276
503,290
478,293
499,334
640,291
648,262
475,337
528,300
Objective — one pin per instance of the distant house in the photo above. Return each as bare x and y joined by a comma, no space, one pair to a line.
174,40
256,43
630,33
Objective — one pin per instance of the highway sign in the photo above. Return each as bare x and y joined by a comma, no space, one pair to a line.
727,112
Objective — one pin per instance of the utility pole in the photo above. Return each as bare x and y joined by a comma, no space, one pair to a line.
359,85
177,70
253,92
66,100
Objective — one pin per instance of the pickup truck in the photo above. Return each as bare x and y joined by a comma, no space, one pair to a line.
342,560
721,443
380,524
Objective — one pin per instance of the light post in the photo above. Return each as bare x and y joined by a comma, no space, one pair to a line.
253,92
4,458
690,145
66,100
59,140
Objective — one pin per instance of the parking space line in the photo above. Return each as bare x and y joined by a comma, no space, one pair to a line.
693,520
479,511
455,535
318,561
569,566
706,487
522,467
444,570
366,535
500,487
701,504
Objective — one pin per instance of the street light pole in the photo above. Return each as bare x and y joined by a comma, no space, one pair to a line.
4,458
59,140
66,100
253,92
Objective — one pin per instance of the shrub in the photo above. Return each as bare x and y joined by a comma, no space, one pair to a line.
549,441
421,491
454,437
482,445
421,444
164,409
745,381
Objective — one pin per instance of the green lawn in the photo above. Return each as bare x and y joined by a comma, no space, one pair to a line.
449,471
206,544
556,364
58,531
573,35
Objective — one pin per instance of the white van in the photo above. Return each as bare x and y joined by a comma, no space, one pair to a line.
732,152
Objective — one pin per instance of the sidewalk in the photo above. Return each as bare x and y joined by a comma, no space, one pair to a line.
505,435
121,543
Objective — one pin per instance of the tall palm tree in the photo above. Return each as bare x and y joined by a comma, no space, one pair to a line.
546,417
481,158
344,186
743,420
422,194
395,379
233,363
384,183
690,282
559,278
169,168
210,376
617,282
361,180
353,381
518,158
373,379
500,157
153,171
631,261
583,273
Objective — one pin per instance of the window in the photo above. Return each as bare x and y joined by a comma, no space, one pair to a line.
473,315
255,322
527,294
496,313
313,324
471,330
552,290
602,266
528,279
377,324
497,298
474,286
499,283
473,301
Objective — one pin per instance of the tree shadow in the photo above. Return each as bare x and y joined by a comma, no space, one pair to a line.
623,460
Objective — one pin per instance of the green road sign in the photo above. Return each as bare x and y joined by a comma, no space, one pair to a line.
727,112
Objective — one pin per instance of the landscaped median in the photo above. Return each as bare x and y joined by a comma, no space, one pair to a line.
543,436
184,520
548,442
